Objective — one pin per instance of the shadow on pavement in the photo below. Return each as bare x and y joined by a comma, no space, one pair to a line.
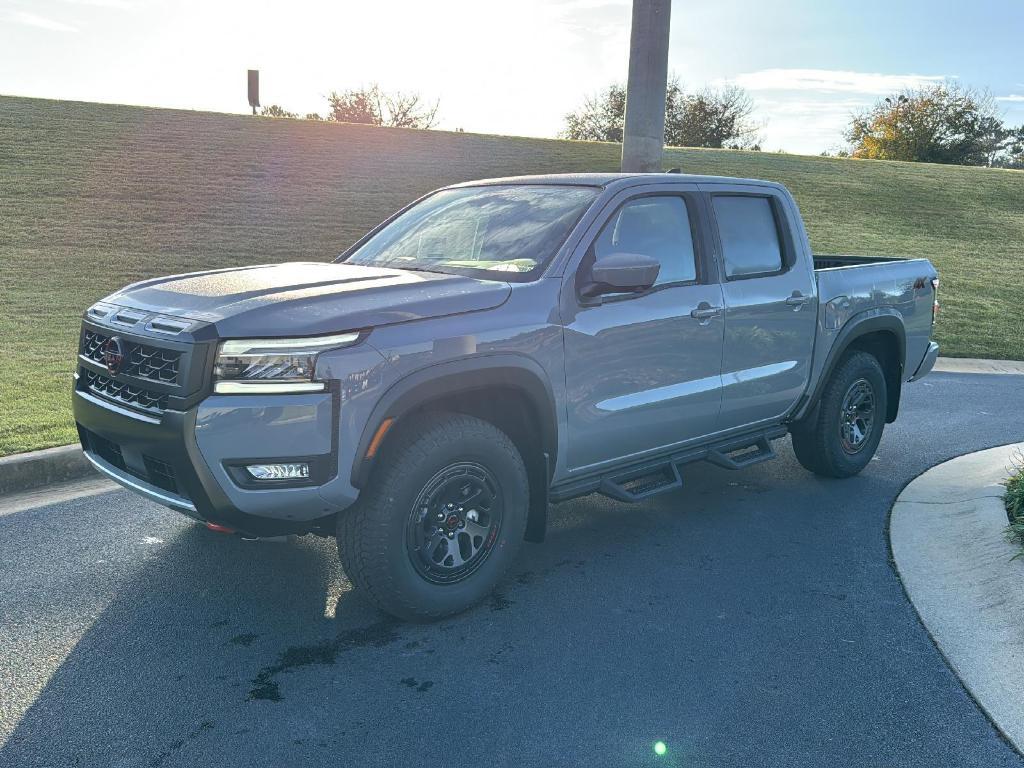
751,619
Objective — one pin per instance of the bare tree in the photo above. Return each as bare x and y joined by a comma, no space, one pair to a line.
710,118
374,106
706,118
601,117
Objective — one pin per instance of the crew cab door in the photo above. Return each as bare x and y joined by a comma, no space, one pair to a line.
770,302
643,370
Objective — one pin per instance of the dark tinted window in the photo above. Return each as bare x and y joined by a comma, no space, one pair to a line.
658,227
750,239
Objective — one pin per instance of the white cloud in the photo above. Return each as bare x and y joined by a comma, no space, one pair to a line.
40,22
831,81
1011,97
123,5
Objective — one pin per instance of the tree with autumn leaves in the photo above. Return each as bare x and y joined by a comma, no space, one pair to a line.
940,123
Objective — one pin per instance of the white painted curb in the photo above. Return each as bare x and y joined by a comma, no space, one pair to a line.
948,542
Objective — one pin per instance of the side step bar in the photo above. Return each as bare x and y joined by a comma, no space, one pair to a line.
642,483
741,454
662,475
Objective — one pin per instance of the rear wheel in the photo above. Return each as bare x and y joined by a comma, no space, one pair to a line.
441,521
844,431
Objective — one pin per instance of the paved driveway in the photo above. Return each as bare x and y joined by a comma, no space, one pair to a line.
752,619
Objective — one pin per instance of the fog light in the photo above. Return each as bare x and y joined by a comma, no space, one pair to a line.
297,471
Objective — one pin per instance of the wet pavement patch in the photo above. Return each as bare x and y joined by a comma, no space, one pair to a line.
412,682
498,602
177,744
378,635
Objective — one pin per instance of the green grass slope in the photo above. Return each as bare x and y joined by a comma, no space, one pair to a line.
95,196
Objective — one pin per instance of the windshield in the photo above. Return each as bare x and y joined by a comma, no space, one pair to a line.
512,230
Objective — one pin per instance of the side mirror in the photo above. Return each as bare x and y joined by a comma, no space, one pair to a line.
621,273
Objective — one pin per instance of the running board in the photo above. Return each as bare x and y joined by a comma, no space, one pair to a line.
640,484
662,475
741,454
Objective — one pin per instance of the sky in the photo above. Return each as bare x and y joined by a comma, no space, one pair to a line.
512,67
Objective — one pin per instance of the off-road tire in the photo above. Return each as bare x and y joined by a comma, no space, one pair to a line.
818,441
372,534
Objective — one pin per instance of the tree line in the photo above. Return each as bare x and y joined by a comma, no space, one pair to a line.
371,105
938,123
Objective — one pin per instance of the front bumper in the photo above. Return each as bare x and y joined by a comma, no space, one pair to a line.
141,487
183,459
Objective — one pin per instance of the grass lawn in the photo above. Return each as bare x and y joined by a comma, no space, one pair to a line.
97,196
1015,503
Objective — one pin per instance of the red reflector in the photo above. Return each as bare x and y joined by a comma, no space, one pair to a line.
220,528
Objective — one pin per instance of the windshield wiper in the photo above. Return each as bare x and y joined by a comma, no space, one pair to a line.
399,265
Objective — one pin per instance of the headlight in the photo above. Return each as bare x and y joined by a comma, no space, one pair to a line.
272,365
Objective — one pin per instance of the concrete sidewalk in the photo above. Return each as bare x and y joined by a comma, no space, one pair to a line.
976,365
947,536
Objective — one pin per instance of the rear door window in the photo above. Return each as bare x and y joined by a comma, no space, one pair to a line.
749,235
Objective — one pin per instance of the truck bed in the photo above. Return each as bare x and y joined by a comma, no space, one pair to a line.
840,260
852,286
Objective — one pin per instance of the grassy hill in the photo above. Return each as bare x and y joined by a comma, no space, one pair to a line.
95,196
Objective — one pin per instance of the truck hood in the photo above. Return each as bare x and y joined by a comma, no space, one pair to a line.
308,298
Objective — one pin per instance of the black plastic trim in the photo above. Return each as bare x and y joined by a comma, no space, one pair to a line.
599,481
853,330
465,375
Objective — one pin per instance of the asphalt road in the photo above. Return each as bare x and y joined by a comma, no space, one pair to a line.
751,619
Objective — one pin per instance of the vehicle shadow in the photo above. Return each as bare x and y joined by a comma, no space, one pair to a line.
165,649
199,641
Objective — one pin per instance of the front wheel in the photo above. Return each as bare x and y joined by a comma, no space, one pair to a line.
843,434
441,521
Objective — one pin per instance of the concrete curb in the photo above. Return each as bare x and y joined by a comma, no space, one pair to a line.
976,365
26,471
946,532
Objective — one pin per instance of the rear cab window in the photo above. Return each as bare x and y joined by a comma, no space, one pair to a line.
749,234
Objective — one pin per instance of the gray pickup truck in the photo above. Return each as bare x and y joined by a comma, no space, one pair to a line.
492,348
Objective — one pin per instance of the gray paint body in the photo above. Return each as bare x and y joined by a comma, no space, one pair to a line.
627,377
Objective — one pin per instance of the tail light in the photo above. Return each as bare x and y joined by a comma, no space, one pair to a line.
935,298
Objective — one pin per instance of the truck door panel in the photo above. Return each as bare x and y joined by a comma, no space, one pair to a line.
770,305
641,372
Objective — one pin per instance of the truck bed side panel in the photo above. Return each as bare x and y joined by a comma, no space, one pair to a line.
847,294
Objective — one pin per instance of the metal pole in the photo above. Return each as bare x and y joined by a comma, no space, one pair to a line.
644,137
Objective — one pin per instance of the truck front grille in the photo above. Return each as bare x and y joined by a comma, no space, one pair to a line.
141,360
124,393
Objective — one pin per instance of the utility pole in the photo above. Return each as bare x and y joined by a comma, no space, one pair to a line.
254,89
643,140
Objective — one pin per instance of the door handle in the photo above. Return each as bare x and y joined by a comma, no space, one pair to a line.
797,300
704,312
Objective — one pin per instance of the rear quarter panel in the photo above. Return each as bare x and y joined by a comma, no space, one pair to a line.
850,294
